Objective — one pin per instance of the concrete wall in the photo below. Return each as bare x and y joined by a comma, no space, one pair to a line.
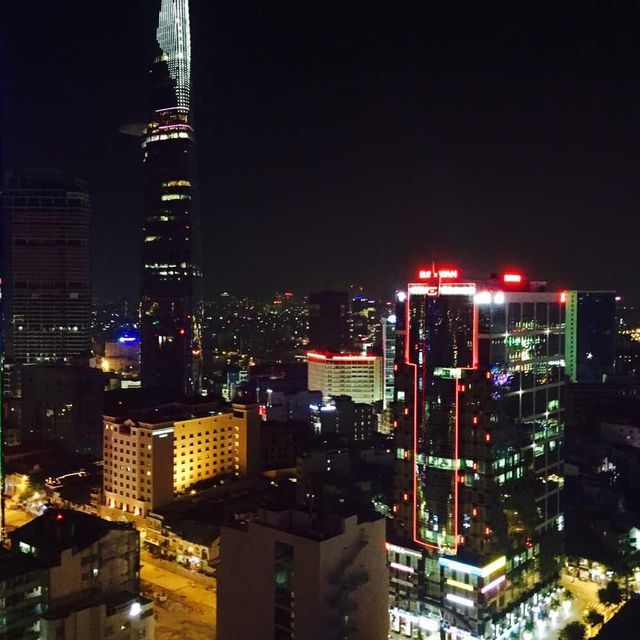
246,586
109,566
246,430
101,621
161,471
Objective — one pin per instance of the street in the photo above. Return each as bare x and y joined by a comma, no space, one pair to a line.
15,518
189,610
586,597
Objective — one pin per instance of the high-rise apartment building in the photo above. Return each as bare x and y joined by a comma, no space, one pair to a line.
152,455
292,575
628,341
283,406
590,335
478,428
329,321
46,271
171,263
65,405
346,375
79,577
23,591
340,416
364,322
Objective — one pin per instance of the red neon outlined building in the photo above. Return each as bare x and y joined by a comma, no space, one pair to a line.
456,451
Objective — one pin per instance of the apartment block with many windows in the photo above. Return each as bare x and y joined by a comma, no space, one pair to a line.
358,376
151,456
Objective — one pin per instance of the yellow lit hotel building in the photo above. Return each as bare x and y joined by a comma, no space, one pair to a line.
152,455
339,374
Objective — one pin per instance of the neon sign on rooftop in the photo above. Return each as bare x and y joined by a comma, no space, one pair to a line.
438,274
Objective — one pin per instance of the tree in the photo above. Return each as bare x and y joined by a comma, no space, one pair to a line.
624,566
573,631
610,594
594,618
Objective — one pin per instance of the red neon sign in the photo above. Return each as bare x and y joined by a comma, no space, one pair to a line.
512,277
442,274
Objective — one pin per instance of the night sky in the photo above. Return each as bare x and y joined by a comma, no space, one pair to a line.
347,142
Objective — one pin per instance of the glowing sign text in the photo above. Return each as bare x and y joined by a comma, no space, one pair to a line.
512,277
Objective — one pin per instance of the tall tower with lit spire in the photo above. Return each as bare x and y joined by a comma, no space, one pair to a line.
171,263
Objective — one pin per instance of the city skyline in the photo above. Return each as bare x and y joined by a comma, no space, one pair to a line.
319,321
323,122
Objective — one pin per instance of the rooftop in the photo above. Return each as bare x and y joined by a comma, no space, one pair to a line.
310,525
117,601
174,412
60,529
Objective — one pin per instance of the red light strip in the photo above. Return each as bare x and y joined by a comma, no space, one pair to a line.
474,337
474,365
414,517
456,458
312,355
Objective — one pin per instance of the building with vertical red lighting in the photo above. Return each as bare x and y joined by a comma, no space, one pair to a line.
478,429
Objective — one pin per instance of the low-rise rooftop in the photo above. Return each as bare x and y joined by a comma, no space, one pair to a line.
174,412
60,529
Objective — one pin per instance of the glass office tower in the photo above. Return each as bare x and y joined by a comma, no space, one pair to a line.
170,303
478,428
47,272
590,335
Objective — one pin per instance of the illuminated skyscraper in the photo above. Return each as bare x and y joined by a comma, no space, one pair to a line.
478,429
171,266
